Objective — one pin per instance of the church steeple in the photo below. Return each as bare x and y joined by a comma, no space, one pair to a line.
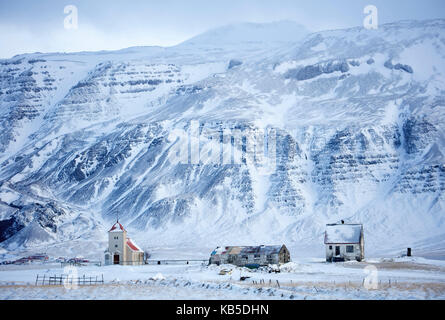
117,227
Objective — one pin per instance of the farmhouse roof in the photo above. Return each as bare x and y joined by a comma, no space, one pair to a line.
246,250
343,233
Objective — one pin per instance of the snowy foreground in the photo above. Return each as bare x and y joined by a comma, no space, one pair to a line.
400,278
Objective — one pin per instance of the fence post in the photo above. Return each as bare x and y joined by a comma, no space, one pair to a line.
37,279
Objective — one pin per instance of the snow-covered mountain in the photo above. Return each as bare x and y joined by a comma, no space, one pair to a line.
353,121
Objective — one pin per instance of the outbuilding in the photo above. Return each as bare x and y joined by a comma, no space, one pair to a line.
250,255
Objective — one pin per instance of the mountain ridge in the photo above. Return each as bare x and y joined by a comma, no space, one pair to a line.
358,120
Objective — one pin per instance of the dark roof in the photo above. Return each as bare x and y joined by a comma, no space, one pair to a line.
248,250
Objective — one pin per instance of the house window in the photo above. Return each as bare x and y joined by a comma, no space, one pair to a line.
349,249
257,256
330,247
115,245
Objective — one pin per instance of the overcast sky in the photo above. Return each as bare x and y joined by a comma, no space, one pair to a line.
38,25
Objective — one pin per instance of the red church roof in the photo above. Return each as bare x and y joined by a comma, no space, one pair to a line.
117,227
133,246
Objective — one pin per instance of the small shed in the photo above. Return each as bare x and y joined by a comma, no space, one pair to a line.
344,242
250,255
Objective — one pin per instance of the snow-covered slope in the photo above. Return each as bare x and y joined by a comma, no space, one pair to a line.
352,120
244,33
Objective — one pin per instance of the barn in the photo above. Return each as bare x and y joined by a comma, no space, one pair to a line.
250,255
121,249
344,242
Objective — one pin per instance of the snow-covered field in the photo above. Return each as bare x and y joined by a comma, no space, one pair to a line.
383,278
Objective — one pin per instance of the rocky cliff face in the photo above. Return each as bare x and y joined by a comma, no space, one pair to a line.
345,124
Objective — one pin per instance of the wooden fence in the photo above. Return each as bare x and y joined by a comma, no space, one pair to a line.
48,280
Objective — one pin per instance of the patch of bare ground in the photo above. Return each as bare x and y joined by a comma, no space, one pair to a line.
431,289
317,290
392,265
58,286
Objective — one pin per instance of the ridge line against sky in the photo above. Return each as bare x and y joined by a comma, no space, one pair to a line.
38,26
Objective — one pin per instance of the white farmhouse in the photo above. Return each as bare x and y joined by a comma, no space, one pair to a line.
121,249
344,242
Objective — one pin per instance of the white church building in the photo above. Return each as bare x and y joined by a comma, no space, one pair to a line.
121,249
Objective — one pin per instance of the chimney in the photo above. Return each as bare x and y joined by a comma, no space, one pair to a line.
343,222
